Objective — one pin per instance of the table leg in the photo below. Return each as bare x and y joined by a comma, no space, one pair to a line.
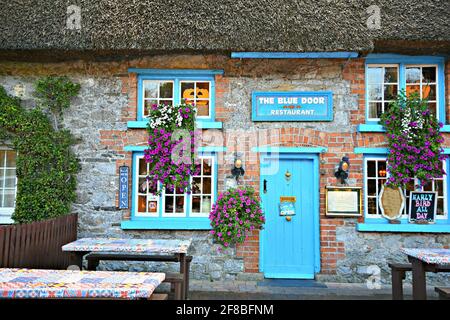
419,280
76,258
92,264
183,271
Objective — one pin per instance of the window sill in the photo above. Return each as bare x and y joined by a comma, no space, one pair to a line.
166,224
379,128
403,227
142,124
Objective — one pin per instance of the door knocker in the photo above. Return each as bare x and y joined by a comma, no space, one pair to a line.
288,175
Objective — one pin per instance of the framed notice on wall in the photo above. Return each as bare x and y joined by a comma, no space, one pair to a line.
343,201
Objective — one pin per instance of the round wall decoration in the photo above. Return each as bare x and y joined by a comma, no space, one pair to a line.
392,202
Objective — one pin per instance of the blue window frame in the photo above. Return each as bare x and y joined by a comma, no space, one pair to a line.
174,86
386,74
374,176
172,211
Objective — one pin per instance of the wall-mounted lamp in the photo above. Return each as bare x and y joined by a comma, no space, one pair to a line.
237,171
341,171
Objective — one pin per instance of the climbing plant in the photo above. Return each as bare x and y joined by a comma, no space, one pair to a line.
46,166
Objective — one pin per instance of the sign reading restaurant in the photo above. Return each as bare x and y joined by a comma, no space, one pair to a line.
292,106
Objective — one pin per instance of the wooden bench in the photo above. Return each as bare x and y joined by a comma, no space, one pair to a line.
79,285
93,260
444,293
398,274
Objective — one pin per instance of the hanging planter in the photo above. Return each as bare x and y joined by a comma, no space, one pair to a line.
171,147
236,213
392,202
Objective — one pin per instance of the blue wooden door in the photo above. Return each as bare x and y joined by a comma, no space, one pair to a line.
290,249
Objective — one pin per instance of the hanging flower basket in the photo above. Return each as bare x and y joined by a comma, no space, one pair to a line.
171,147
235,214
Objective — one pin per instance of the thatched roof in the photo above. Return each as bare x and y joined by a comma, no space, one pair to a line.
220,25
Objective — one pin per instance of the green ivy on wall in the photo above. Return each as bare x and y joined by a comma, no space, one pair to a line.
46,165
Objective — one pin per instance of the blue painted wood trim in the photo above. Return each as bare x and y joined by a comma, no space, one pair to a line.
384,151
397,58
294,55
290,149
176,72
166,224
142,124
403,227
200,149
370,128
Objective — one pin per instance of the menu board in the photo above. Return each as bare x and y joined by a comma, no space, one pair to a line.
343,201
422,206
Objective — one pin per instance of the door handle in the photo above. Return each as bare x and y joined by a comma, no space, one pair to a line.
265,186
288,218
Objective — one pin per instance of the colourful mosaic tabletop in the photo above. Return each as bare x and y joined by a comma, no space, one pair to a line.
33,283
128,245
431,256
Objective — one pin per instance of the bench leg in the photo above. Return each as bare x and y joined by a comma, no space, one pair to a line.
93,264
178,290
397,284
184,273
186,284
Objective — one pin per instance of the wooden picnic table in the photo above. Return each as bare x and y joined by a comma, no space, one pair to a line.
422,261
63,284
97,249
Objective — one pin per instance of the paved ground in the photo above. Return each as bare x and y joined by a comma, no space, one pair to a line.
249,290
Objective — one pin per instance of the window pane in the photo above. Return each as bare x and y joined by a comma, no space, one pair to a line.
432,107
207,185
153,206
382,169
179,204
429,92
375,75
169,204
142,167
2,158
429,74
166,90
375,92
196,185
202,108
371,206
141,203
413,75
440,207
166,102
152,186
380,184
438,186
390,75
150,89
375,109
188,92
371,187
410,89
148,104
371,170
202,91
196,204
142,185
206,205
390,92
428,187
207,167
10,178
9,198
11,159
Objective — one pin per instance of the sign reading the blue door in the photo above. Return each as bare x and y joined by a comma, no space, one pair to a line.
123,187
292,106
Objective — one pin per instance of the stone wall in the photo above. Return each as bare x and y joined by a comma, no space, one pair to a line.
108,100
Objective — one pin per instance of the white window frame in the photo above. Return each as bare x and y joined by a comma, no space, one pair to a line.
404,214
158,99
371,65
436,84
6,212
173,214
213,188
136,177
195,87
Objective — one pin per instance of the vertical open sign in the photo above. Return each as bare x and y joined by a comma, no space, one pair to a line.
123,187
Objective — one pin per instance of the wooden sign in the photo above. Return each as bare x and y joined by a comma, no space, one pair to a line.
422,206
343,201
392,202
287,206
123,187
